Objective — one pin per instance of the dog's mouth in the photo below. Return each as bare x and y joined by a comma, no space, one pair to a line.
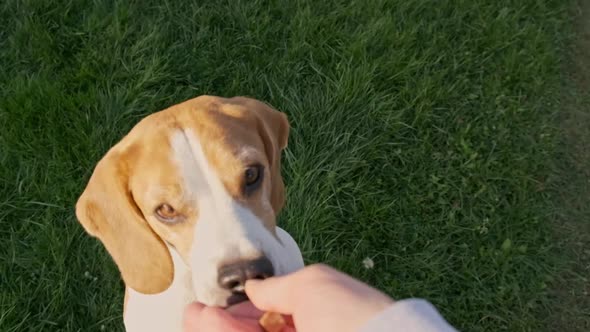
235,298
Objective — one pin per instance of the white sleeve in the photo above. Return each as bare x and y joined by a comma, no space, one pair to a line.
411,315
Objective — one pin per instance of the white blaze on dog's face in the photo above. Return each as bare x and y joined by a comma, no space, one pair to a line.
201,178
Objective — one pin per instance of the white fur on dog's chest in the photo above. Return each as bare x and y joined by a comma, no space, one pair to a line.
163,311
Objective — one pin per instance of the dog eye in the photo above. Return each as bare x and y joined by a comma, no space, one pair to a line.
166,213
253,178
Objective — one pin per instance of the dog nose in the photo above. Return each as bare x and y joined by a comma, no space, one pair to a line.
233,276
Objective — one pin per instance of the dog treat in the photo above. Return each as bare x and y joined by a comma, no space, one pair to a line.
272,322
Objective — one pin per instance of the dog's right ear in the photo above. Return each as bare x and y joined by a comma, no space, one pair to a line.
107,210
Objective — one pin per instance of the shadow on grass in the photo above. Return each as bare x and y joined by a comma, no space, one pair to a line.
571,290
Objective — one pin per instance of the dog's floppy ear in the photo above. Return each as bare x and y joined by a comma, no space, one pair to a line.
108,211
273,127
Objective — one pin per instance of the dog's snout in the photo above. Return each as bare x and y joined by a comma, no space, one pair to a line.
233,276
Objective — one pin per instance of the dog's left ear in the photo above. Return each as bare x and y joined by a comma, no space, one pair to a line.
273,127
274,130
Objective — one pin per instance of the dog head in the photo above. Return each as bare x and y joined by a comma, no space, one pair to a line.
201,178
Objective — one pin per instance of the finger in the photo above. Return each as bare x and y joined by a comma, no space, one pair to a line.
272,294
245,310
282,294
217,319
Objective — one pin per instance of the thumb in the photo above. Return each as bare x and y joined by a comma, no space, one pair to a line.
275,294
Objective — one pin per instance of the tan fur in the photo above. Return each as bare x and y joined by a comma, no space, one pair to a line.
107,210
138,174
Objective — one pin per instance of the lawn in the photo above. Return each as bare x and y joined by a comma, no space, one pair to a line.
424,137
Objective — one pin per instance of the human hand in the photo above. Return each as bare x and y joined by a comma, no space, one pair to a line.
316,298
242,317
319,298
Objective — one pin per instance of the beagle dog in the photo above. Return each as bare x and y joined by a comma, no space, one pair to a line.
186,205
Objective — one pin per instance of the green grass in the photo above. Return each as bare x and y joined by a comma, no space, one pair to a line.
424,136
